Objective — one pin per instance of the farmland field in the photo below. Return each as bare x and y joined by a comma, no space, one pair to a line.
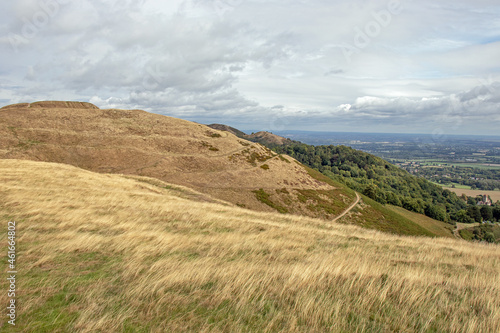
495,195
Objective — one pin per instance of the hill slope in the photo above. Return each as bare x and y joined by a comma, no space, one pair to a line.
174,150
112,253
378,179
268,139
229,129
214,162
217,163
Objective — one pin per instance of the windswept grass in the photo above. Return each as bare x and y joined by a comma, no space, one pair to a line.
439,228
108,253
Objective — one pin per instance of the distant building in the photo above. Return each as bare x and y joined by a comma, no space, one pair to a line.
485,201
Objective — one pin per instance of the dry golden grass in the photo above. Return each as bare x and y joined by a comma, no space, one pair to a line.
109,253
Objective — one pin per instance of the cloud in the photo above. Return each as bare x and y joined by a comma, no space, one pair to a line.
257,64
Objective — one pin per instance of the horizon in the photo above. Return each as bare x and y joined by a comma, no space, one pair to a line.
392,66
247,131
389,133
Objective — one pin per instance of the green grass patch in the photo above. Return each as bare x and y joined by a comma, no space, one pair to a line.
466,234
282,191
377,216
255,157
214,135
264,197
63,280
281,157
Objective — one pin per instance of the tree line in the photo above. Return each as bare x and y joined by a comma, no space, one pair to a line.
386,183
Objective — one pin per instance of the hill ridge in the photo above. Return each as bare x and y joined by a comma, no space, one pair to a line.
53,105
264,137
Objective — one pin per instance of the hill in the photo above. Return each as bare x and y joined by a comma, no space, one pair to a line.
216,163
105,252
262,137
267,138
379,180
229,129
135,142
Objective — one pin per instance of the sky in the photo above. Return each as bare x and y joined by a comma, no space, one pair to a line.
392,66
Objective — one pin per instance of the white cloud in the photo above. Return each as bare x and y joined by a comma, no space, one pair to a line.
237,60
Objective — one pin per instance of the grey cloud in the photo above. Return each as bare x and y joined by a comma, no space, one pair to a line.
273,62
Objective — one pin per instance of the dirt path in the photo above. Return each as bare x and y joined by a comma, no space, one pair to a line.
348,209
460,226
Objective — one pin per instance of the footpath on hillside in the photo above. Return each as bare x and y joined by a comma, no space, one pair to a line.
348,209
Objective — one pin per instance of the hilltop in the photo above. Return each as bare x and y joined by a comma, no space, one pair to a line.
106,252
267,138
232,130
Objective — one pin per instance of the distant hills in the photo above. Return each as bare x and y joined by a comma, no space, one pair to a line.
261,137
374,177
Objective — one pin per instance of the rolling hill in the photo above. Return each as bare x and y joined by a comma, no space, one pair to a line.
122,253
262,137
216,163
135,142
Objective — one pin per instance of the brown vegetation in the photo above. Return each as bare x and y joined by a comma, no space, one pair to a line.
103,252
135,142
268,138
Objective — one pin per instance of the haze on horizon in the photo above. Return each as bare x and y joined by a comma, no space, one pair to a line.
345,66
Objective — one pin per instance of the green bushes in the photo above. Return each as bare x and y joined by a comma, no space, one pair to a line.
377,179
264,197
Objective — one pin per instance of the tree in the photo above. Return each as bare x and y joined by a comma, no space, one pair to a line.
435,212
475,213
486,213
496,212
462,216
371,191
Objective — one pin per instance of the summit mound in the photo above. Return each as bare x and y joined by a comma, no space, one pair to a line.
52,105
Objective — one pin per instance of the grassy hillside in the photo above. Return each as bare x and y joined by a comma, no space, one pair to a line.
136,142
438,228
100,252
372,215
214,162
